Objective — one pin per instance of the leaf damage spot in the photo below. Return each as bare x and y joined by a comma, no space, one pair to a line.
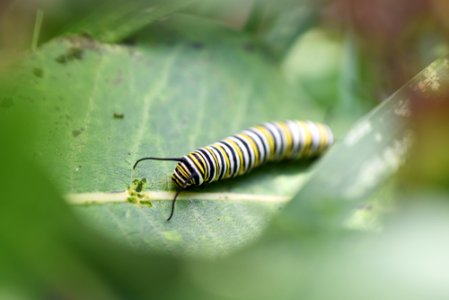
38,72
77,132
74,53
129,41
361,130
118,115
379,167
118,79
136,194
6,102
403,108
431,80
198,45
250,47
84,42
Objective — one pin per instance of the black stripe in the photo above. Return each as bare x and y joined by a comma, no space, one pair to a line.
234,158
211,163
298,145
193,173
184,168
248,149
180,174
179,182
200,161
265,146
283,137
276,144
223,163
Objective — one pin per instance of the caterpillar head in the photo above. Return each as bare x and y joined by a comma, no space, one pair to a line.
186,174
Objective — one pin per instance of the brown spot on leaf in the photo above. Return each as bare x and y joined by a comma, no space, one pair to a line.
6,102
198,45
250,47
118,115
38,72
73,53
77,132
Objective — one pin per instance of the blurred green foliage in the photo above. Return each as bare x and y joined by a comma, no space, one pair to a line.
368,220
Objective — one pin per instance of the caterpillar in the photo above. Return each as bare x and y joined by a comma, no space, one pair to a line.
240,153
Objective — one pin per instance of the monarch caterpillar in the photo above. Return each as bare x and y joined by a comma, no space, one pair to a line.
248,149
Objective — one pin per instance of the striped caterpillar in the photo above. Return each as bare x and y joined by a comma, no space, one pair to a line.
240,153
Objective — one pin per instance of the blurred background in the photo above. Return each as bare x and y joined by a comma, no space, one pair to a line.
368,221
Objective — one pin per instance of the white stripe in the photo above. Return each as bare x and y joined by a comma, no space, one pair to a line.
256,139
206,162
283,147
251,150
192,164
211,176
265,147
277,137
315,136
224,166
296,134
244,152
175,173
330,136
231,158
218,168
301,127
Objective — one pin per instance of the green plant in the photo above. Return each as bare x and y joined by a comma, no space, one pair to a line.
104,84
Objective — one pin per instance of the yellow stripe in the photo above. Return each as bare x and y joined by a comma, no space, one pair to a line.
269,138
183,171
307,140
206,171
253,145
289,138
225,155
323,140
195,161
239,151
216,163
176,180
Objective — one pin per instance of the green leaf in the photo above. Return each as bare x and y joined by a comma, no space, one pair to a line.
290,23
373,150
112,22
185,84
337,80
278,24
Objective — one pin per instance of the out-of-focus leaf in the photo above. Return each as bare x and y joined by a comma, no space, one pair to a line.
406,261
371,152
330,69
289,25
112,22
35,257
314,63
279,24
355,92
